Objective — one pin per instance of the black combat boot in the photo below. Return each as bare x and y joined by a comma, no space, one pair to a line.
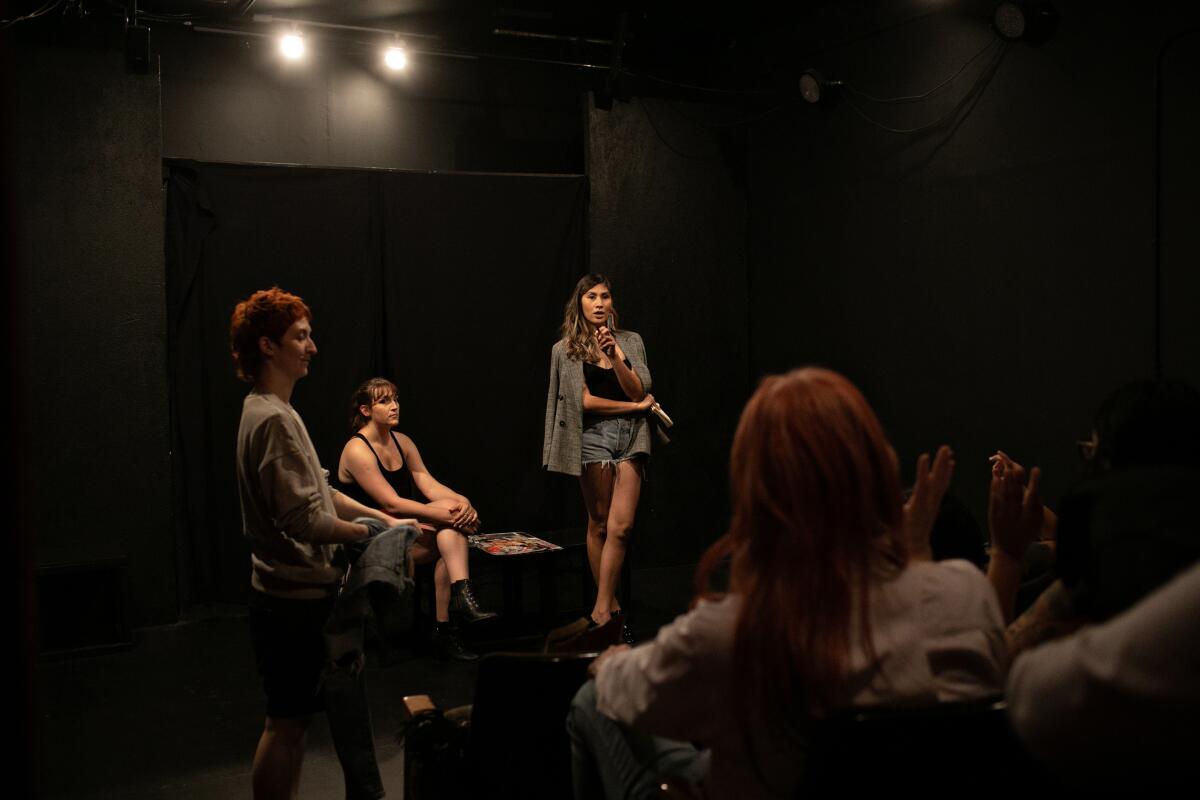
464,608
448,644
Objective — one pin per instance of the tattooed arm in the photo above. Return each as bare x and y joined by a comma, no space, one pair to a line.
1050,617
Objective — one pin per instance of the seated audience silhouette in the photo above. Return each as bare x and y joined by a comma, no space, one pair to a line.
833,602
1114,703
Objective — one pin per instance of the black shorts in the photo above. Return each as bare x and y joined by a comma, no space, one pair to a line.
290,651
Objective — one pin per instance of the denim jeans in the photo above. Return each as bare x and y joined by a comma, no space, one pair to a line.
613,761
349,717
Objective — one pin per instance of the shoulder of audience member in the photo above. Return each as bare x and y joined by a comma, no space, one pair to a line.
957,589
709,627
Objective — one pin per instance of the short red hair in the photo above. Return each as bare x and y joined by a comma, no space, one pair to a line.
816,507
267,312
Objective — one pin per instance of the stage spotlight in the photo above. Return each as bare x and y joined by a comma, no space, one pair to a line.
816,89
395,58
292,46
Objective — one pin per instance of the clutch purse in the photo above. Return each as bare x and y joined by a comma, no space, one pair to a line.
663,416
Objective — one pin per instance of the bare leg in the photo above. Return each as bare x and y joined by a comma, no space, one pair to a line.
441,591
626,489
424,550
278,759
453,547
596,482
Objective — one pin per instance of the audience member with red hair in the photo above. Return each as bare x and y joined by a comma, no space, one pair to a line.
833,601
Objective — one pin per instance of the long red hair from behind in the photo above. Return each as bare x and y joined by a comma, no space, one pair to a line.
816,505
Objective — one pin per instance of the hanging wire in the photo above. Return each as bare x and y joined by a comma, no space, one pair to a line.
674,106
46,9
976,89
184,17
915,97
697,88
669,146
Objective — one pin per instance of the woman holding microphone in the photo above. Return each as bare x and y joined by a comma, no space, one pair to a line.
596,427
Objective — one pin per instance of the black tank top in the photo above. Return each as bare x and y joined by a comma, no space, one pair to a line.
400,480
603,382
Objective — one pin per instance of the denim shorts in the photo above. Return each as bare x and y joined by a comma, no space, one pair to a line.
607,440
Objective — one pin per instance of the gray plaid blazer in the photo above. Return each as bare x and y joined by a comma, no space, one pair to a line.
562,436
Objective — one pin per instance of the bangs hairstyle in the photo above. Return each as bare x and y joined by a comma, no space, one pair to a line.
816,507
368,394
581,344
267,312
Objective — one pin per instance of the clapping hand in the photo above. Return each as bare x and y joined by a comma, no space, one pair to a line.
1015,510
922,507
1004,463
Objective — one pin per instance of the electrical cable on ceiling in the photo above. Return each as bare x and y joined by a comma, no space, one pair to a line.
46,9
671,147
697,88
993,42
972,94
167,16
674,106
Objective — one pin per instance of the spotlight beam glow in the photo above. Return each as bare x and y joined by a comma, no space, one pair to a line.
395,58
292,46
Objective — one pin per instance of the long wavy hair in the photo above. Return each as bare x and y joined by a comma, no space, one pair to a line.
581,344
816,512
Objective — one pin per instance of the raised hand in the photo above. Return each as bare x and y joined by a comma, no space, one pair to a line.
929,487
1015,512
1002,463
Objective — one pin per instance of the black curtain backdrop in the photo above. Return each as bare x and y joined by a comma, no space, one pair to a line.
451,285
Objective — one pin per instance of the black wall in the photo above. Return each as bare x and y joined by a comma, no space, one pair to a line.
87,164
987,282
668,225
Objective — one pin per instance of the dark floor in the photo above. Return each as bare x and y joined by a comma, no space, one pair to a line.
179,714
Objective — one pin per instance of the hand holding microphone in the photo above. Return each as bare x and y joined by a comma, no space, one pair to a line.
606,341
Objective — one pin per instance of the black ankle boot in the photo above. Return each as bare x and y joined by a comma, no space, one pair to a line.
464,608
448,644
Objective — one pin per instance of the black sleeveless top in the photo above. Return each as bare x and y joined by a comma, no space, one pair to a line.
603,382
400,480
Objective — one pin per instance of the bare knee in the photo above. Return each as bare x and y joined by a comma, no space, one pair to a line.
424,549
597,527
287,730
619,529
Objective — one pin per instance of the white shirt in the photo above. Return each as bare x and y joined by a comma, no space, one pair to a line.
938,635
1118,701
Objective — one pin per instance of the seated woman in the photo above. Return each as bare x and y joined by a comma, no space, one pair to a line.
381,467
833,602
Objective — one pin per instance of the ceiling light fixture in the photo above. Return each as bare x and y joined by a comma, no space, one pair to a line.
1033,22
816,89
395,57
292,45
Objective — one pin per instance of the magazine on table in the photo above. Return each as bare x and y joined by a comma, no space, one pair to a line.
512,543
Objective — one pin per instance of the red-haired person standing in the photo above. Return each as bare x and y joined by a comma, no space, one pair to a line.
295,523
